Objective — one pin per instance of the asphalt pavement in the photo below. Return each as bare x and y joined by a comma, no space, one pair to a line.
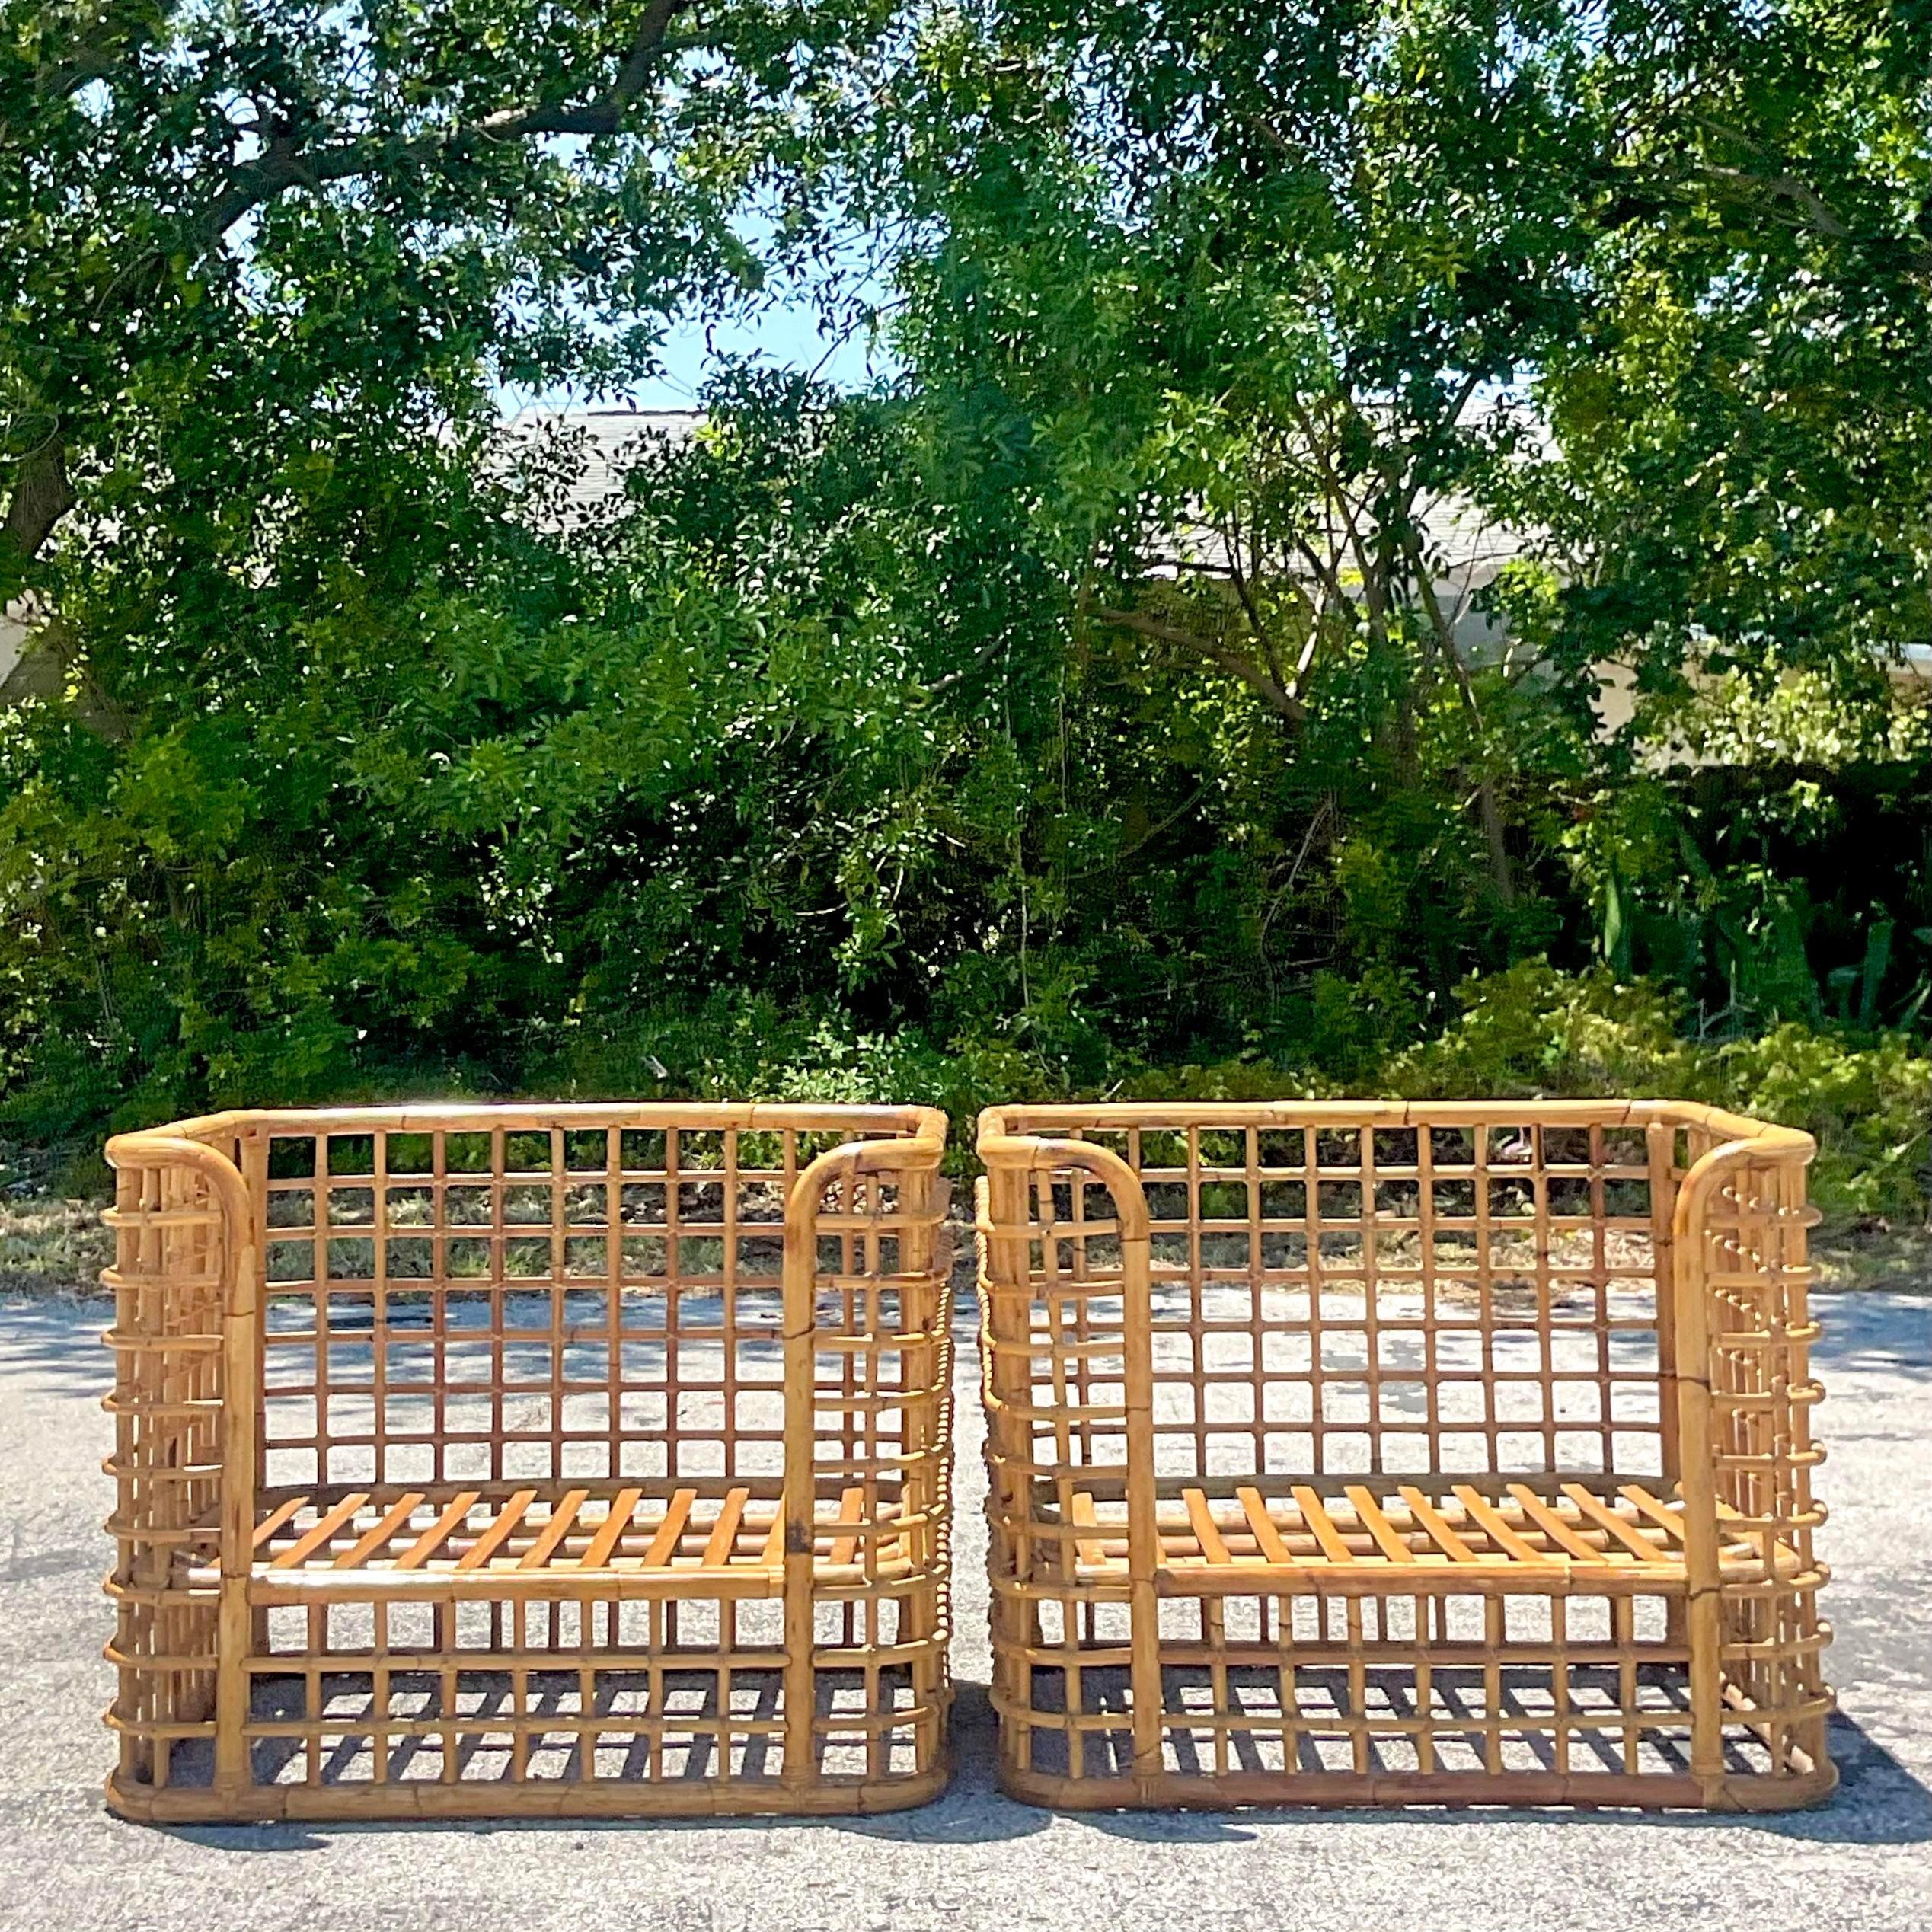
1861,1863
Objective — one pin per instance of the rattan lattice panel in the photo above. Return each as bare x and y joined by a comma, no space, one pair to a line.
569,1459
1341,1453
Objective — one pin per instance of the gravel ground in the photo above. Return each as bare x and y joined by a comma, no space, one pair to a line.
975,1858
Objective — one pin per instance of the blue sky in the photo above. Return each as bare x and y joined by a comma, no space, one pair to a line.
786,334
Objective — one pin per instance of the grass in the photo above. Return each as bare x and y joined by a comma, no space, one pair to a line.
52,1241
51,1247
1866,1256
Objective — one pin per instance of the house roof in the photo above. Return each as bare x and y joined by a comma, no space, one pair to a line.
604,441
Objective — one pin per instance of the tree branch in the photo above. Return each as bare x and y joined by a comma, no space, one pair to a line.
1280,701
1232,540
1490,809
1806,210
966,670
96,50
41,494
286,163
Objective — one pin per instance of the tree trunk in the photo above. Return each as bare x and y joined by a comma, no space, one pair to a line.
42,496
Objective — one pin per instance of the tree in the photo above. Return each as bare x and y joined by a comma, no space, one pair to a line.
1226,309
229,230
1108,693
1238,298
1738,489
276,265
443,795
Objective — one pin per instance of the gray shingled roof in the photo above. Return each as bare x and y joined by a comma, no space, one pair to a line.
608,439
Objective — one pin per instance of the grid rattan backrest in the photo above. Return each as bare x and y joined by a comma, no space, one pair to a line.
499,1295
1341,1290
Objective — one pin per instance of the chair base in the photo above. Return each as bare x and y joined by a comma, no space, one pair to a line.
1340,1697
367,1803
1455,1790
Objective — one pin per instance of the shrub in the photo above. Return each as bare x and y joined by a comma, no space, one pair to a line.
1868,1101
1533,1031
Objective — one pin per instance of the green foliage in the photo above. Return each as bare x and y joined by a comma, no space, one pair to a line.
1119,701
1869,1100
1533,1031
235,237
1866,1097
471,794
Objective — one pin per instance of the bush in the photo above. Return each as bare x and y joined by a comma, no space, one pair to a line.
1530,1033
1532,1030
1868,1102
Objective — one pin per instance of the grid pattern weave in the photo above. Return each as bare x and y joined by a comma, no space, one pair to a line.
579,1459
1342,1300
1338,1450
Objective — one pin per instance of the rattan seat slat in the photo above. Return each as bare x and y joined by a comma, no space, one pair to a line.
1483,1516
379,1534
495,1533
298,1549
1436,1526
610,1531
456,1511
562,1518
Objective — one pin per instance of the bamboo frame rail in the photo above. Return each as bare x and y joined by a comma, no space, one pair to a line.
557,1460
1346,1452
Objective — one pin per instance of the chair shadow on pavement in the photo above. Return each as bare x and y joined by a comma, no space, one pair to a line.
52,1347
54,1343
1879,1802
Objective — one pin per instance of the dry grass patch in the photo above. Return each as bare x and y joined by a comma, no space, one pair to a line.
51,1246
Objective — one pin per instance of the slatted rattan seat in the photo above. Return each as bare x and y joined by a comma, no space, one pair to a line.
1574,1536
612,1540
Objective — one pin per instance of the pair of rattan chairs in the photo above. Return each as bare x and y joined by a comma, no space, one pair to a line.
583,1460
